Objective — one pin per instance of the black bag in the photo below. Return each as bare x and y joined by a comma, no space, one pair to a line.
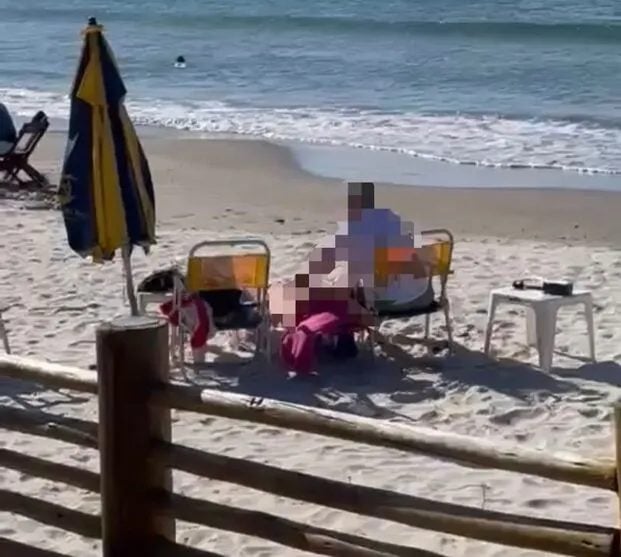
160,281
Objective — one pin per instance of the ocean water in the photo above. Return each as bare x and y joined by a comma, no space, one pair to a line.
507,83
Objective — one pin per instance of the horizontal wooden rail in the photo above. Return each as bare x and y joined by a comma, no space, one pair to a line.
10,548
40,468
42,424
457,448
86,525
566,538
283,531
45,373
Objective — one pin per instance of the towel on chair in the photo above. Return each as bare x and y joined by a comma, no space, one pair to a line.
194,315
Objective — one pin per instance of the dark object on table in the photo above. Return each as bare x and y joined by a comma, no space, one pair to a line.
558,287
553,287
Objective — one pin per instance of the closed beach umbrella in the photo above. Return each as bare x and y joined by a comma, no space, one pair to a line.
106,189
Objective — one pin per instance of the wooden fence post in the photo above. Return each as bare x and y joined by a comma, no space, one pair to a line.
132,358
617,432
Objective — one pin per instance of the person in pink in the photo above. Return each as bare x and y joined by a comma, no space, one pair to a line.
322,311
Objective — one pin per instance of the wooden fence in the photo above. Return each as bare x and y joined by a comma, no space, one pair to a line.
139,506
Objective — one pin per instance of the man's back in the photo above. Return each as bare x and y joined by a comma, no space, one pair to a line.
357,242
375,228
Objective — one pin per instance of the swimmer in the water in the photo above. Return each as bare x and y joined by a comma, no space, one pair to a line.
180,62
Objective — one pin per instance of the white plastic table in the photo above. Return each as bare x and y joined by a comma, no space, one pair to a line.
540,318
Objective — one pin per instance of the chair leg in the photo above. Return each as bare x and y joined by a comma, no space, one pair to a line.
267,342
12,175
427,324
181,346
34,174
259,341
449,329
372,338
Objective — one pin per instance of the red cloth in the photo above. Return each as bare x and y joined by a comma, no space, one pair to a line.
197,311
297,349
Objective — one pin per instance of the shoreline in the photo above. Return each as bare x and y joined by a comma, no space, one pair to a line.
336,161
346,162
267,182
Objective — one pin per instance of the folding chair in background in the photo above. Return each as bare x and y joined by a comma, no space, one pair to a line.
15,160
219,277
436,255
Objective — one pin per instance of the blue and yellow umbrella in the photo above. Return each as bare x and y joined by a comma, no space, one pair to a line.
106,188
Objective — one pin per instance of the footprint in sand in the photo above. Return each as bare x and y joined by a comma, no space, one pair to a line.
80,457
269,432
429,416
516,414
597,500
425,395
542,503
591,412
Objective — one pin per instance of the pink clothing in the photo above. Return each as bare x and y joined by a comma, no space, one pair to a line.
321,317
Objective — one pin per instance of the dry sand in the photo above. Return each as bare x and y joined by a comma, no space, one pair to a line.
211,189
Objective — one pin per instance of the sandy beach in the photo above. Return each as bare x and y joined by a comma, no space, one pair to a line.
207,189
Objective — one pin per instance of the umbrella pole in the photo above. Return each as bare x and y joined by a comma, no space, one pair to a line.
129,280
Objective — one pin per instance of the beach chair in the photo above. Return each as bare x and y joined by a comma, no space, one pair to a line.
246,270
436,256
15,159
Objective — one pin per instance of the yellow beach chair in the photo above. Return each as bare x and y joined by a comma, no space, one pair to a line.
245,267
433,260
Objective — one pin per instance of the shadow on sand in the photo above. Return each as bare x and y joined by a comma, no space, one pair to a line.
401,378
30,396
